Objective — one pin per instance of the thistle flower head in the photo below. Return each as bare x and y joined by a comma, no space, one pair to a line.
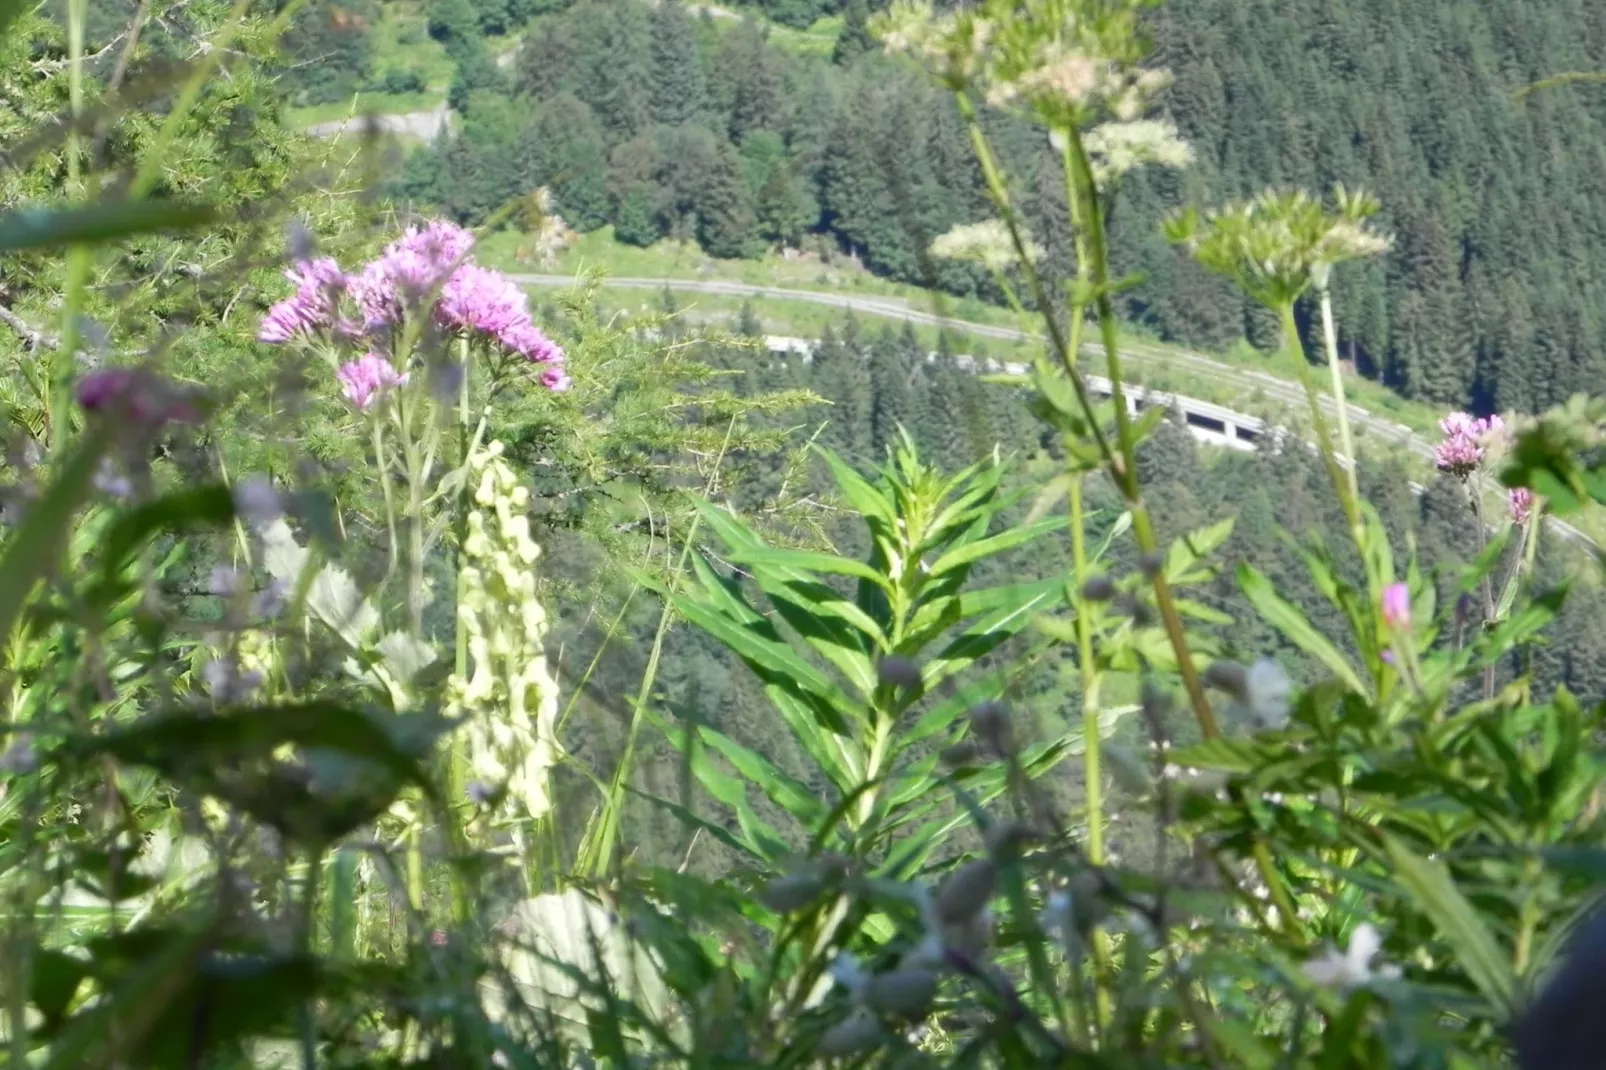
364,379
1467,439
1277,245
1520,502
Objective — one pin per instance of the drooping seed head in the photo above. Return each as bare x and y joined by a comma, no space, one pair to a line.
899,672
966,891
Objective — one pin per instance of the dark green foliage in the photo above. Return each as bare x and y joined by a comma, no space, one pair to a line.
678,94
1491,298
329,51
854,40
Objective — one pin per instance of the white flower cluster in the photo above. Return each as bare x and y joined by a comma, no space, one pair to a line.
509,700
987,243
1118,147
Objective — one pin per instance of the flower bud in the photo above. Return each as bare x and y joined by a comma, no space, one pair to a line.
1228,676
1155,705
1136,608
787,894
990,722
1099,589
895,671
856,1033
966,891
1005,839
1088,907
906,993
1151,564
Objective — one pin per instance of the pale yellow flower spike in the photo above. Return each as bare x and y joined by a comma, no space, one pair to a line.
509,702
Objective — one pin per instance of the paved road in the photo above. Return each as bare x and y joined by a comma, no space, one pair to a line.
901,308
426,125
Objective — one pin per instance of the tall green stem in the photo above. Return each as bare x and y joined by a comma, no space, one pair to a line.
1295,349
1330,344
456,750
1126,473
1090,683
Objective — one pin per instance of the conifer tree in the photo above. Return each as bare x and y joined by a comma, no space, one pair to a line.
726,222
678,93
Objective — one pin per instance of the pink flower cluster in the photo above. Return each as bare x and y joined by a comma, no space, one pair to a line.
427,265
1465,442
363,379
1520,502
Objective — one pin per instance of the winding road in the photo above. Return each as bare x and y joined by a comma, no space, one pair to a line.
1375,427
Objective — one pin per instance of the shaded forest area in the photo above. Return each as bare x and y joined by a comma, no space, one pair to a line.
662,122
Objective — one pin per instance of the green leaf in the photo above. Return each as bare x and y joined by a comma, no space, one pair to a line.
1430,885
55,979
103,1034
691,820
787,793
34,549
191,508
172,739
1193,548
1291,622
1221,755
807,561
774,661
997,544
861,495
37,227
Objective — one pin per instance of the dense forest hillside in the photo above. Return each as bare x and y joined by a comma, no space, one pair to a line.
665,122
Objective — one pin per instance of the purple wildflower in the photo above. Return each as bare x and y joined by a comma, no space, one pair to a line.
1397,606
481,300
556,380
311,308
409,269
134,393
528,341
1465,441
1520,504
361,380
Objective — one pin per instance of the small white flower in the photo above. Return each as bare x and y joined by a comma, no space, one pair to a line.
1353,966
1120,147
1268,689
256,502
